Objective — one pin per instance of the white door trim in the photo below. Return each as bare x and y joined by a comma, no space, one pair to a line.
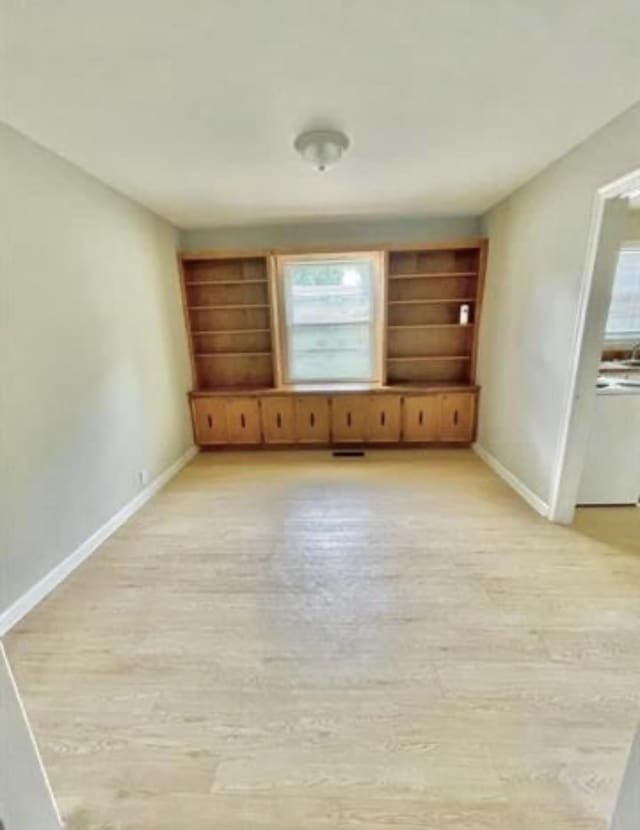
563,493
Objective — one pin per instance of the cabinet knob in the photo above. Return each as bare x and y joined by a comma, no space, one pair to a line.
348,419
455,417
279,420
243,421
382,418
421,417
312,419
210,421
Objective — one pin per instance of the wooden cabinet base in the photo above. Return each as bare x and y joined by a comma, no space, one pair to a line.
313,425
278,420
384,418
243,421
349,419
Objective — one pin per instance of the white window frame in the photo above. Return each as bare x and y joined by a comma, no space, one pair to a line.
376,258
625,339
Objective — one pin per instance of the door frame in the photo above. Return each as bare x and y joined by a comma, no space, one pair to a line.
587,346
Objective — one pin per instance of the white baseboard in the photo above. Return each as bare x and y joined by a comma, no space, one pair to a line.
18,609
521,489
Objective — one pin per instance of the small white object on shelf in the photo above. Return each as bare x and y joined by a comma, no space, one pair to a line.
464,314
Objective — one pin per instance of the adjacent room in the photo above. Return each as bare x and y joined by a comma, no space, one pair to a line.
320,415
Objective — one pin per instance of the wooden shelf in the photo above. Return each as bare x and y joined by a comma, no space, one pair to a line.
234,289
428,358
233,354
229,331
424,342
227,307
433,300
225,282
433,276
402,327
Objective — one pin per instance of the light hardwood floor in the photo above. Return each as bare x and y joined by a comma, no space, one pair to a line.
287,641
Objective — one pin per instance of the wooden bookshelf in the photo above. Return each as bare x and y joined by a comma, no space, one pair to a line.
426,342
427,395
228,316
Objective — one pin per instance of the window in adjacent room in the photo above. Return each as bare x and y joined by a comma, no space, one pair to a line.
623,324
330,318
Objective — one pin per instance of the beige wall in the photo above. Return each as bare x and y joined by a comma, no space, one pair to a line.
538,239
333,233
92,354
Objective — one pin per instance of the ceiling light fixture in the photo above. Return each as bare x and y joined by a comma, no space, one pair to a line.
321,148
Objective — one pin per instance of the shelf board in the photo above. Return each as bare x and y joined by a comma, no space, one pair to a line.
234,307
397,327
434,300
230,331
431,358
225,282
434,275
233,354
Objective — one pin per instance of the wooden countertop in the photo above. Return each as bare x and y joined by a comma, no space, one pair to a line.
336,389
616,367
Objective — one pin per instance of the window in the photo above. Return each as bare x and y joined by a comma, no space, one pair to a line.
330,320
623,324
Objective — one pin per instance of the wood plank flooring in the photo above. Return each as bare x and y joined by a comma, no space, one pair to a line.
288,641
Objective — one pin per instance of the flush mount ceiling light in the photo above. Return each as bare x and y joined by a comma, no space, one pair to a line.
321,148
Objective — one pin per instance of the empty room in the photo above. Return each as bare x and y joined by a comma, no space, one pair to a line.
319,415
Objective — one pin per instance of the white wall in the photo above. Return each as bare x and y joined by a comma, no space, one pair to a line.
627,812
538,240
26,802
333,233
92,354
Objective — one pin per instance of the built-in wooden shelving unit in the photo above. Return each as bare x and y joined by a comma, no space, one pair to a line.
228,314
228,301
427,343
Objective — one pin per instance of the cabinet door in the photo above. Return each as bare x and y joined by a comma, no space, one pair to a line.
210,420
383,419
312,419
278,420
421,418
457,417
243,421
349,418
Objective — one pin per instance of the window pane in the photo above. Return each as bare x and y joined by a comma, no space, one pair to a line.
329,315
624,311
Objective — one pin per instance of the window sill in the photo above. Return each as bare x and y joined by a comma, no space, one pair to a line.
330,387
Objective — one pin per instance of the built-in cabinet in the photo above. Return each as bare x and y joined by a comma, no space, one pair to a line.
383,419
278,420
421,418
312,419
210,421
431,298
349,419
244,423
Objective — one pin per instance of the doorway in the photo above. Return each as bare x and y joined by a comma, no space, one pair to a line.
606,236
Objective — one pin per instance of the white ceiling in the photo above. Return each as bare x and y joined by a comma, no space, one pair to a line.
191,107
